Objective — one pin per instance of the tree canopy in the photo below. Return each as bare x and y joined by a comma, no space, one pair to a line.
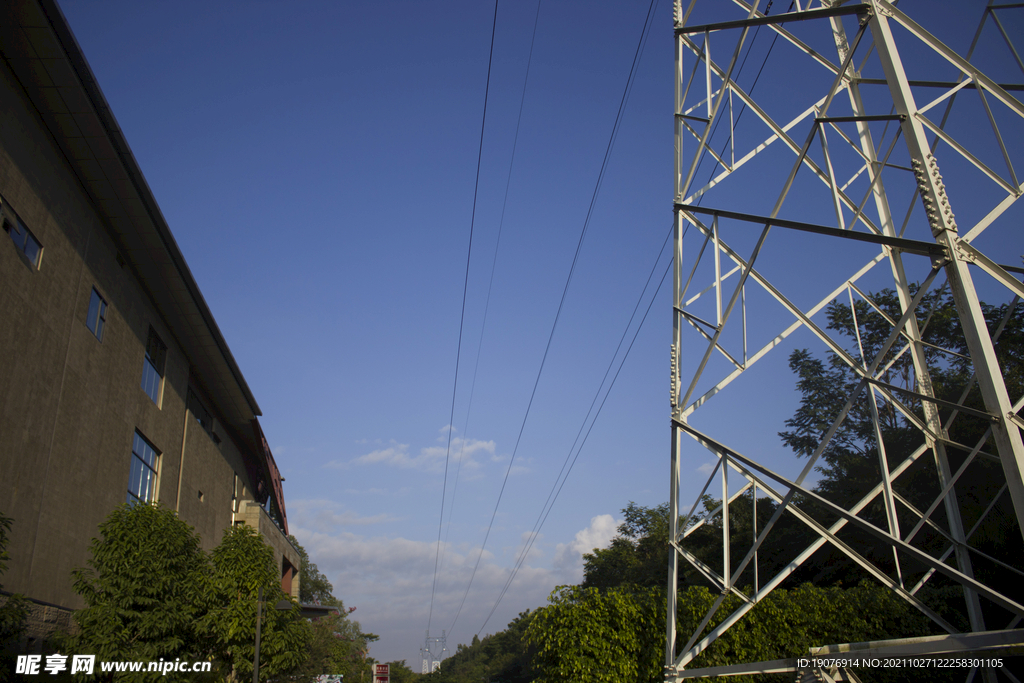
243,564
638,555
146,586
504,657
850,465
605,628
151,593
337,643
314,587
13,608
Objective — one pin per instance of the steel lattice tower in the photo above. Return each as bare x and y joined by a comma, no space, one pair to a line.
433,652
831,190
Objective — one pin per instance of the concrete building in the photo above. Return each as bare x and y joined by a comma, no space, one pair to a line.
115,382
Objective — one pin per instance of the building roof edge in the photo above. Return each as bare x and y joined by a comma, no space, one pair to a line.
85,75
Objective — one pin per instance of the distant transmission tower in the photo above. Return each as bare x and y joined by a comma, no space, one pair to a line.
830,191
433,652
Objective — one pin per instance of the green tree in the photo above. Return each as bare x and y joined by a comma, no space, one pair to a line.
400,673
314,588
786,623
638,555
243,563
337,643
585,634
13,608
144,589
504,657
336,646
849,465
588,635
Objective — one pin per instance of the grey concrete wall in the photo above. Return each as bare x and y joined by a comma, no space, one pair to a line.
209,472
68,408
69,403
255,516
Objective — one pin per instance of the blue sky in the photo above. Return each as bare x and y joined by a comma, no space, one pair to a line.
316,163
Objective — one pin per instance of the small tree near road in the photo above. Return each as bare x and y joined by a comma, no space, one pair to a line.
242,564
144,589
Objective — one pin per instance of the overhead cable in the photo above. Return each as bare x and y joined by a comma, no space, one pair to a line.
560,480
579,246
462,320
487,304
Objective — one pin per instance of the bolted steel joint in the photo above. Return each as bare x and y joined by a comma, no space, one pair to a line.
933,194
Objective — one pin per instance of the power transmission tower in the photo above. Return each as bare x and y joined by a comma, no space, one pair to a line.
433,652
830,190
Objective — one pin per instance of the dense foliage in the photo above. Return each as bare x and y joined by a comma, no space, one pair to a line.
314,587
617,635
500,658
584,634
850,464
243,564
337,644
145,588
401,673
13,608
611,627
637,556
151,593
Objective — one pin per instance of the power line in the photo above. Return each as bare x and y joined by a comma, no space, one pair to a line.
490,285
544,513
579,246
556,488
462,320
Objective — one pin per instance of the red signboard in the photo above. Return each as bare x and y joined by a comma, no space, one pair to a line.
382,673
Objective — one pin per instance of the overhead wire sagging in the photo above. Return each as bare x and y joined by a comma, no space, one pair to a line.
462,319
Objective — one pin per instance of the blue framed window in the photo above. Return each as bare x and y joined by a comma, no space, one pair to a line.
142,474
153,367
22,237
97,314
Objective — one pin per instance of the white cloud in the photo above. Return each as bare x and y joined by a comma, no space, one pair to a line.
429,459
461,450
569,556
390,580
706,468
326,515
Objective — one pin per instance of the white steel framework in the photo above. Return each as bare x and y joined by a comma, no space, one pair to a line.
433,652
831,187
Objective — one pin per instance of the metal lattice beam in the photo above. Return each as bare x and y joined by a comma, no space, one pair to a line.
858,162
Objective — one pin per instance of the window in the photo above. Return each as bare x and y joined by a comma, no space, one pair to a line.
153,366
202,415
97,314
23,238
142,475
